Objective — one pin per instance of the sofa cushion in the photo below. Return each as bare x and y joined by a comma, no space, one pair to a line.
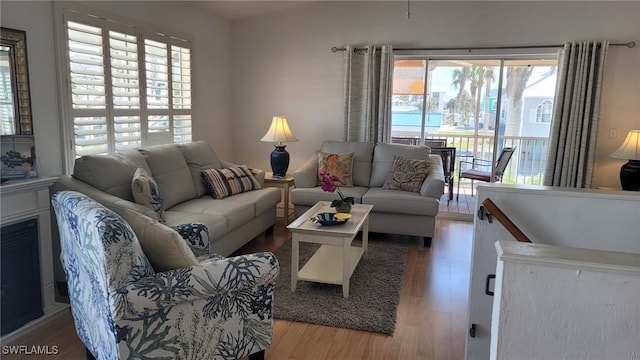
363,153
339,165
310,196
170,171
146,192
216,224
221,183
109,173
407,174
400,202
237,210
384,155
137,158
199,156
163,246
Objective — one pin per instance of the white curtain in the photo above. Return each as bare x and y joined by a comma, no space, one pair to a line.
367,102
575,114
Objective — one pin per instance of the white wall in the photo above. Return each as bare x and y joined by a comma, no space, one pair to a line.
283,64
211,60
35,18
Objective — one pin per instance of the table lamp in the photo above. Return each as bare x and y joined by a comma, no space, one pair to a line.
630,150
279,132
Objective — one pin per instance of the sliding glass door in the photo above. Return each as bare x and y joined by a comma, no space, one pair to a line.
478,105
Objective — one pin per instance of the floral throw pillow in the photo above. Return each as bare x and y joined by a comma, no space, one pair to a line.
221,183
407,174
146,192
340,165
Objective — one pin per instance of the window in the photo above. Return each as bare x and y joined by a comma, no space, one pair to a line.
127,87
543,111
479,104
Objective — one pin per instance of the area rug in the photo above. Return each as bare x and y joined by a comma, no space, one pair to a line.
374,292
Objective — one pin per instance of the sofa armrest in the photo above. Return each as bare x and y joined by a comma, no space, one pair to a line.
259,175
119,205
433,185
213,277
306,176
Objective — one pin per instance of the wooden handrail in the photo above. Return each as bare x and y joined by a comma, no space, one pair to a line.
498,214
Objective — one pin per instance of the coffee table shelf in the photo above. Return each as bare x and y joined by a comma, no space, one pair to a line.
335,261
325,265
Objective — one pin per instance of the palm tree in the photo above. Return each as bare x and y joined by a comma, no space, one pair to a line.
460,77
517,77
476,75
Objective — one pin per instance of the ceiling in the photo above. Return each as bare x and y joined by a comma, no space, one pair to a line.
244,9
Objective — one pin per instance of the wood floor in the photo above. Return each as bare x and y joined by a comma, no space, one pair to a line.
431,320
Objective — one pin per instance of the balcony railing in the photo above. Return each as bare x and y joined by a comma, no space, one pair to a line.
527,165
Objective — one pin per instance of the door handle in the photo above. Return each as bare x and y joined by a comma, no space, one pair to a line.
487,283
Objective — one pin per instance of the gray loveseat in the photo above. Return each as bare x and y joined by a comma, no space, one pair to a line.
232,221
394,211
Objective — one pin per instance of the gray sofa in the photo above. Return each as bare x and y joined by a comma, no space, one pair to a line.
232,221
394,211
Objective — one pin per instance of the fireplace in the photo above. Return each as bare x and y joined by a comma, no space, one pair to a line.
20,277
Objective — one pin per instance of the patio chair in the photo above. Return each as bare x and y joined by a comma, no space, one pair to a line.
448,155
219,308
474,173
436,143
403,140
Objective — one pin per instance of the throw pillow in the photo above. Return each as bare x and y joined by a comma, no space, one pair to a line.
407,174
340,165
163,246
221,183
146,192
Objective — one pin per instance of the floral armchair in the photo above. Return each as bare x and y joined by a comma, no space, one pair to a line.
219,309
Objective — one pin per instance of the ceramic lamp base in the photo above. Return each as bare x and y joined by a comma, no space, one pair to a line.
279,161
630,175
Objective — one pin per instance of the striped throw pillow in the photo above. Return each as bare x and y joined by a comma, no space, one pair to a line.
221,183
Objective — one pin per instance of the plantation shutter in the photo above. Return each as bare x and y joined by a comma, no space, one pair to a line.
127,87
125,84
181,86
88,90
157,75
168,82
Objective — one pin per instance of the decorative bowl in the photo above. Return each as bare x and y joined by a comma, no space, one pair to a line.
328,219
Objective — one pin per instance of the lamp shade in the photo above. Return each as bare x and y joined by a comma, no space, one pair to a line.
279,131
630,148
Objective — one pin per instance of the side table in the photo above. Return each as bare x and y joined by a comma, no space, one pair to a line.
286,184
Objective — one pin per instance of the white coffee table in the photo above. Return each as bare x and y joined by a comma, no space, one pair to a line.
335,261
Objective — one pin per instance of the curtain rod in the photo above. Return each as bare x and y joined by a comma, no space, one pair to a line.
630,44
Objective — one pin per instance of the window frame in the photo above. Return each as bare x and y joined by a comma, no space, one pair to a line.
541,113
439,55
107,23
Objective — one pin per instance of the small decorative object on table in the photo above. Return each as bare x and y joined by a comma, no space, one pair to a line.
327,218
342,205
